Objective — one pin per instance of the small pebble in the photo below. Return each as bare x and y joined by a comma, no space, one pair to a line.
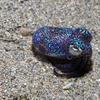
13,72
98,80
25,31
23,45
68,86
1,82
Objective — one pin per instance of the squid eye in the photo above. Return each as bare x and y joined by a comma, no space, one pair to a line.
74,50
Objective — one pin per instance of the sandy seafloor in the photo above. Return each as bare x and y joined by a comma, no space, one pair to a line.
23,76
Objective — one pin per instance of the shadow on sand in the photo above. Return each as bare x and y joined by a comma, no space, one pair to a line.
79,67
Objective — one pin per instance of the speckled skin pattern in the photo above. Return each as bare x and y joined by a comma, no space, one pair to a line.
54,43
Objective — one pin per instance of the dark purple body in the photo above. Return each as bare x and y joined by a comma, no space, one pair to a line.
68,49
